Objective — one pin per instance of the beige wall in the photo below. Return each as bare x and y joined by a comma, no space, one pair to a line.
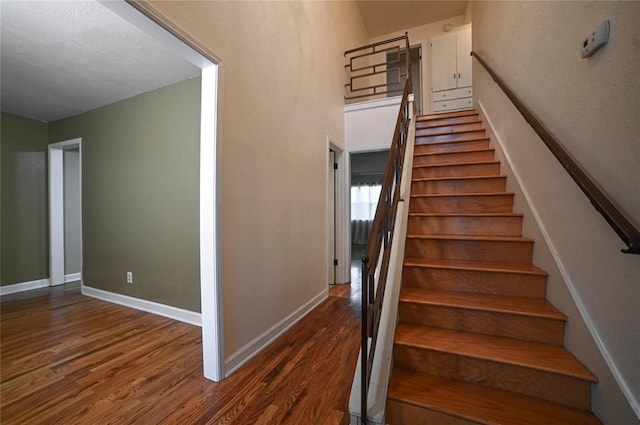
592,106
283,86
420,36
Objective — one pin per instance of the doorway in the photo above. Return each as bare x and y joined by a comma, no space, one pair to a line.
338,249
210,280
65,212
397,71
367,174
331,187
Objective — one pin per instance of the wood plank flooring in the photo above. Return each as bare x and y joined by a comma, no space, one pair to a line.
70,359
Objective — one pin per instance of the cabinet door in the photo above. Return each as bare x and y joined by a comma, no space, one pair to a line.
464,58
443,63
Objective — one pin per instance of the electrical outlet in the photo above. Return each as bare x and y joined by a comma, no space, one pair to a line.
129,277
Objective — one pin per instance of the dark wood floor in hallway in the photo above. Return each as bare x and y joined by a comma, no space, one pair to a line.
70,359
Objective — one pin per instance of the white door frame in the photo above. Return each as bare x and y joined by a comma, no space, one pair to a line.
342,224
210,146
331,219
56,208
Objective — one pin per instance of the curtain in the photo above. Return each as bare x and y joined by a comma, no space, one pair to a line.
364,200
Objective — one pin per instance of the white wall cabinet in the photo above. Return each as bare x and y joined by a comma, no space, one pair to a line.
451,71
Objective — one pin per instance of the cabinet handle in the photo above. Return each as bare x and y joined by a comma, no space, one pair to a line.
458,75
454,75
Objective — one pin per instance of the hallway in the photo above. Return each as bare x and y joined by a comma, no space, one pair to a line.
66,358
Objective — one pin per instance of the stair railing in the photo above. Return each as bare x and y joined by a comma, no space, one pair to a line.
375,262
602,203
377,70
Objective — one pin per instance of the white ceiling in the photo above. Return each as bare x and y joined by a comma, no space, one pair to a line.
62,58
388,16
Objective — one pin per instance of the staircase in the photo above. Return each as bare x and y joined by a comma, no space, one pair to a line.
477,342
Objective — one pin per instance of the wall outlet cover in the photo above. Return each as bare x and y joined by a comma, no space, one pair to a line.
598,38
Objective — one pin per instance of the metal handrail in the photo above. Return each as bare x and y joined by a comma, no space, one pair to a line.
605,206
378,249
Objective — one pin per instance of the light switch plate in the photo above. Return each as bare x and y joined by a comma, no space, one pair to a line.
596,39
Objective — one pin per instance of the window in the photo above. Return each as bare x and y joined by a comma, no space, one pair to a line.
364,200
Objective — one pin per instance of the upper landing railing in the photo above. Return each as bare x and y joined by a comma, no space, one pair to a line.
377,70
616,219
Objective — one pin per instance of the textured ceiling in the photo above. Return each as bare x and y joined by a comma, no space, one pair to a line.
385,17
62,58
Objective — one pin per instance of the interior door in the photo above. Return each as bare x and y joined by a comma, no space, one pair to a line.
416,82
443,63
332,218
464,58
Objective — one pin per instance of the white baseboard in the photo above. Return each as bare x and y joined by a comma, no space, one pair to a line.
72,277
175,313
24,286
259,343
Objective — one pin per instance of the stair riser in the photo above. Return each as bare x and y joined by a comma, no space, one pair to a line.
457,171
528,328
462,204
454,158
399,413
450,147
447,121
452,128
470,135
495,283
465,250
465,225
455,114
458,186
562,389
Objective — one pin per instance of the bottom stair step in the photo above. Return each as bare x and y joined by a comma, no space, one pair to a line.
421,399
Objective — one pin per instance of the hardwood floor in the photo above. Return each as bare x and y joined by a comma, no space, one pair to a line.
66,358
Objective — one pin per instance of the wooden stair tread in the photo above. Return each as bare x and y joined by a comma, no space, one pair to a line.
444,133
445,195
534,355
478,130
461,119
466,136
430,179
524,306
471,150
476,266
440,142
446,115
485,405
478,238
425,125
463,214
456,164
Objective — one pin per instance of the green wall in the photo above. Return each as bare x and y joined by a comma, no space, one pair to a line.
24,222
140,194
